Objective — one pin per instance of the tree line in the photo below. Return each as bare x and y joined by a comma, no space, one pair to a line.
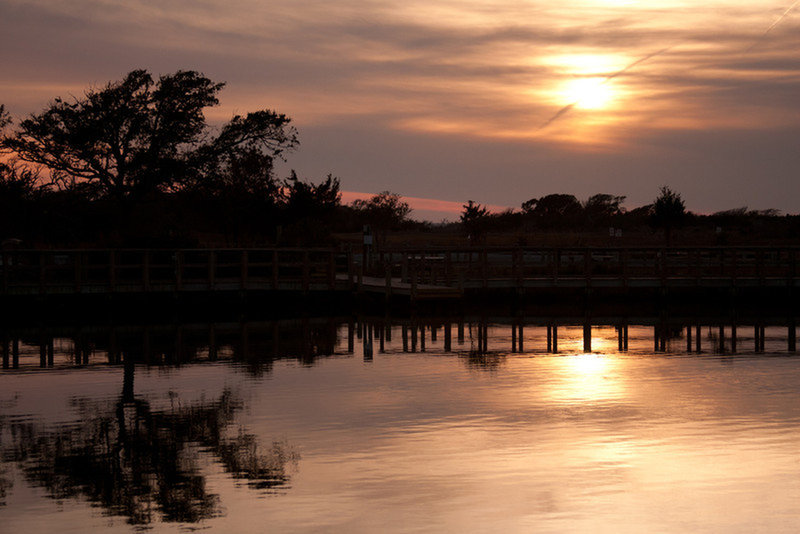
135,163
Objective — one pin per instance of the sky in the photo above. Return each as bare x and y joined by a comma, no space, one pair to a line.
497,101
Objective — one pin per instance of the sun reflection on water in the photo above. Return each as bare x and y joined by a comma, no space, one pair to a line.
585,378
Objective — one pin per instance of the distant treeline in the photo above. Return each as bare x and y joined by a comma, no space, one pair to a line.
296,213
134,164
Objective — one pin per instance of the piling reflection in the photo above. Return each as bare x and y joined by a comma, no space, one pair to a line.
254,346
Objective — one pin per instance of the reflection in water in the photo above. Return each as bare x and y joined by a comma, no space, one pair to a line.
659,420
136,462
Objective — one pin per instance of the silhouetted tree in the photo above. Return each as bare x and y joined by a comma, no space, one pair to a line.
473,218
137,136
556,210
309,199
601,208
669,211
19,193
309,207
384,211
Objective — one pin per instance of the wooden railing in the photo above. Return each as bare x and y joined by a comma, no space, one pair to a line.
66,271
484,266
141,270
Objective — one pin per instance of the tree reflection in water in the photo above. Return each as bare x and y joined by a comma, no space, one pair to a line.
143,464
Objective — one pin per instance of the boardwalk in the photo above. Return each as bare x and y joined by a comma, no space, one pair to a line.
417,274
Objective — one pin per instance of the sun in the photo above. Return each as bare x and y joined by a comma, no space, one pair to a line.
588,93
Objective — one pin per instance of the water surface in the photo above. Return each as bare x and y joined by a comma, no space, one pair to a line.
325,434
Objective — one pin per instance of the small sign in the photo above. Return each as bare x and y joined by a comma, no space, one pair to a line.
368,239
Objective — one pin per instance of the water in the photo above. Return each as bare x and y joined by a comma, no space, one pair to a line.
308,430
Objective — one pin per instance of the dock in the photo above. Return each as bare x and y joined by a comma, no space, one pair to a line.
413,274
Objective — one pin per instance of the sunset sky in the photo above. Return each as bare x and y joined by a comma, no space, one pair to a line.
494,100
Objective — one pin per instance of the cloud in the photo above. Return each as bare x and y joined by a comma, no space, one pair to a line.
462,85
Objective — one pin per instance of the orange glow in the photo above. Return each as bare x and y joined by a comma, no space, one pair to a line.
424,204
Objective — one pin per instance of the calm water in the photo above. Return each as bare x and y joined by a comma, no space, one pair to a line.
309,431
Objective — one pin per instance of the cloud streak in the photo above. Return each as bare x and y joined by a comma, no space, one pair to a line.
563,111
772,26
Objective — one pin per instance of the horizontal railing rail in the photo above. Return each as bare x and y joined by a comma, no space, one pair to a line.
47,271
300,269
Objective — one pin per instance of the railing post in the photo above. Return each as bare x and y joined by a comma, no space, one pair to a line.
413,281
306,271
587,268
624,266
212,269
244,258
78,268
387,272
112,270
331,270
42,272
556,255
146,270
275,269
178,270
6,266
485,268
361,272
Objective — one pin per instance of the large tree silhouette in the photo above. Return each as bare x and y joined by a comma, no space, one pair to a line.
137,136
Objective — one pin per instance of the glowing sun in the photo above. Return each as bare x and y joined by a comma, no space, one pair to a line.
588,93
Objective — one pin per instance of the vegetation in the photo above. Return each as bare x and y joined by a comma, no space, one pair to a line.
669,211
473,220
135,163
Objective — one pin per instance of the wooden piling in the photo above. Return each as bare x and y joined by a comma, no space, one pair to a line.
587,337
5,352
513,337
689,338
351,337
697,339
555,339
